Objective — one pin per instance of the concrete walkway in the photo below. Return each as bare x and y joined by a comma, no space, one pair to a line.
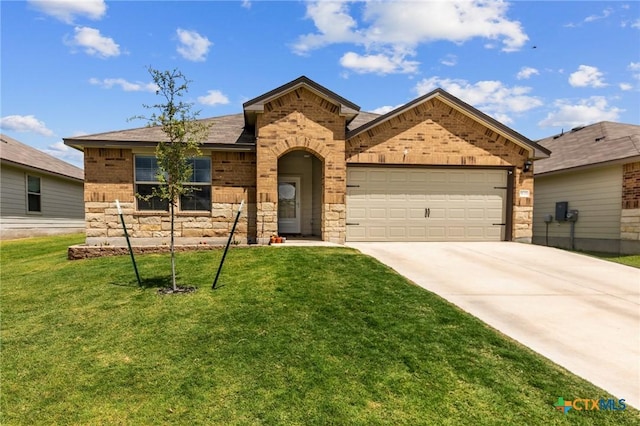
582,313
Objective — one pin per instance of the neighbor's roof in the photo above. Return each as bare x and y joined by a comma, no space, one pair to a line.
595,144
17,153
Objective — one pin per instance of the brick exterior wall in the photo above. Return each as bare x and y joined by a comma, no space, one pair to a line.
109,176
630,216
301,120
433,133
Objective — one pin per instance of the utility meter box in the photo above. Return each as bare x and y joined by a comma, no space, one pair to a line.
562,208
572,215
548,218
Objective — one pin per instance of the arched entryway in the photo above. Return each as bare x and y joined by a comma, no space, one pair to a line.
300,176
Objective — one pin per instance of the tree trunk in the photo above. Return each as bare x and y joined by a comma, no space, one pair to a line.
173,253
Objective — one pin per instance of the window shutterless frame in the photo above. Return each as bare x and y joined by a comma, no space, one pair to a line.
199,199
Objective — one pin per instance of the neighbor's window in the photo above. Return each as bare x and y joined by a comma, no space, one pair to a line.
146,171
34,204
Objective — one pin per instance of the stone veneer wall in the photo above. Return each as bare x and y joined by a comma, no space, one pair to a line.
109,176
630,216
433,133
301,120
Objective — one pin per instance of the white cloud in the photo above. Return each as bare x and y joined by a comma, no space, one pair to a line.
24,123
193,46
246,4
605,13
94,43
490,97
334,24
214,97
449,60
409,23
634,67
385,109
526,73
626,86
585,111
395,29
591,18
65,153
587,76
125,85
636,24
379,63
67,10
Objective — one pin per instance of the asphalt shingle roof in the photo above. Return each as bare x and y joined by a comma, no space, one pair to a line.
15,152
225,130
594,144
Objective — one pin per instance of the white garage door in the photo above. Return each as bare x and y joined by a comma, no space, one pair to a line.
416,204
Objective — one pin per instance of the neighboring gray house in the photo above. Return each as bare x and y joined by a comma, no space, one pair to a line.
596,170
39,194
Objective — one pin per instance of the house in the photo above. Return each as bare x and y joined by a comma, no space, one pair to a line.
595,170
39,194
308,162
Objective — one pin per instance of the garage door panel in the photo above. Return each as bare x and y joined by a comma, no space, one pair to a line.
456,232
377,213
377,232
436,233
357,194
416,213
494,214
417,233
397,232
411,204
358,175
397,213
358,213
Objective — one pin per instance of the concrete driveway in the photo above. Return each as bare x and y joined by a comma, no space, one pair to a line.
580,312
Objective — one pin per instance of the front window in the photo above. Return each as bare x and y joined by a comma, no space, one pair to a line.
200,197
146,172
146,176
34,204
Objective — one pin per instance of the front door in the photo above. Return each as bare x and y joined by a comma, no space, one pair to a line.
288,205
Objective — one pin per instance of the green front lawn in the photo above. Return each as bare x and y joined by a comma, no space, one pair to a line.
294,336
625,259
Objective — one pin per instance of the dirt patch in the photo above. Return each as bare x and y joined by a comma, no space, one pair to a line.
179,290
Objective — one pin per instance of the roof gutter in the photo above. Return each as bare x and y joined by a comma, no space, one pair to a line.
80,145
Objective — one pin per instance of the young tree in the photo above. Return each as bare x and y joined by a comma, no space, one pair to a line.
183,136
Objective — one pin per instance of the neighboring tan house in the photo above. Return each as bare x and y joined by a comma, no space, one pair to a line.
308,162
596,170
39,194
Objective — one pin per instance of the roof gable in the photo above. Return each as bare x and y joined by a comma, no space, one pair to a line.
256,105
591,145
26,156
535,151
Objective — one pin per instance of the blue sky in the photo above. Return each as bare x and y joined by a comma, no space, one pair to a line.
80,67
